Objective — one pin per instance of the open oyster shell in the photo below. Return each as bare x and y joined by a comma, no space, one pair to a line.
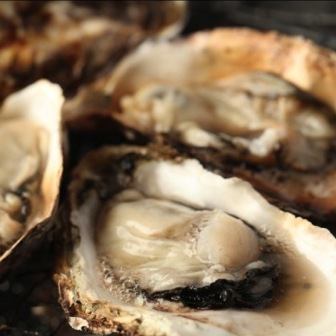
30,166
72,42
151,247
240,101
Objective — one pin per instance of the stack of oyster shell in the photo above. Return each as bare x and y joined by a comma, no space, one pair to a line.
192,182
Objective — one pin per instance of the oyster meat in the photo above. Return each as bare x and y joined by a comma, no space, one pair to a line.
30,165
163,246
213,101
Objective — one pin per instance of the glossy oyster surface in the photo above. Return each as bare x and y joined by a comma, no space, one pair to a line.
30,164
256,113
229,104
163,246
72,42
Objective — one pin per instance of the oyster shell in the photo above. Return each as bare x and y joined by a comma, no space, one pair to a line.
152,254
71,42
215,98
31,166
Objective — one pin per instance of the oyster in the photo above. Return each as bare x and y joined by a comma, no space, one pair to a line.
72,42
30,166
164,246
214,97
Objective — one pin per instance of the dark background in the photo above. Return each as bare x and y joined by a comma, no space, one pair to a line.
28,298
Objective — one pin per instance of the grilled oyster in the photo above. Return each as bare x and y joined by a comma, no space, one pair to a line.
71,42
30,166
163,246
216,100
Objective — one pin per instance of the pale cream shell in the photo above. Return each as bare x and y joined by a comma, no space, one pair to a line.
41,104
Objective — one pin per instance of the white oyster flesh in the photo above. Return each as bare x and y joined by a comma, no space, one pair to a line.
173,223
30,158
202,103
162,245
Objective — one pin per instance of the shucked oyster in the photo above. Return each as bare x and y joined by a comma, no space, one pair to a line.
71,42
213,98
163,246
30,165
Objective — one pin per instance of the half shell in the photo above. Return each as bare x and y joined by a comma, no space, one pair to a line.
30,168
70,43
95,300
